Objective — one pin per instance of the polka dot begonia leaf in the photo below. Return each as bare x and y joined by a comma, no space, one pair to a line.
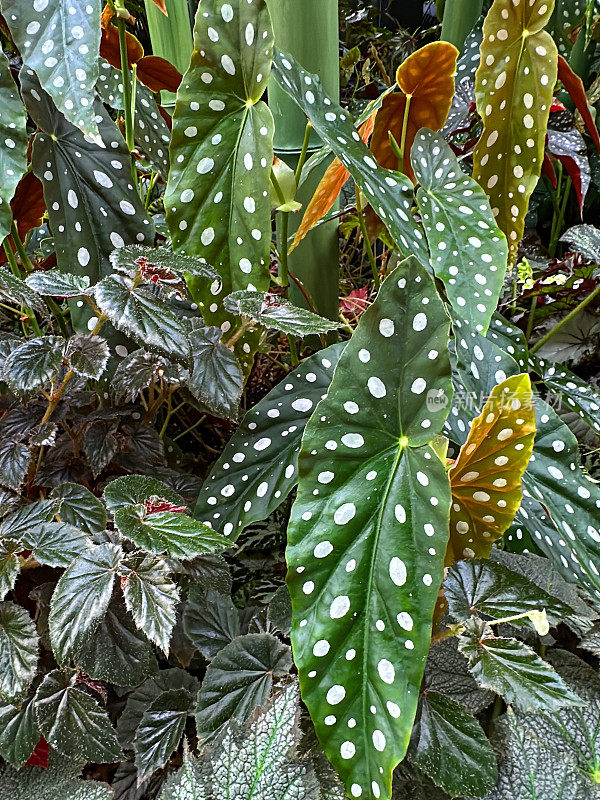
553,478
569,391
274,311
150,131
328,189
259,465
60,41
513,89
369,530
466,67
510,339
389,193
217,200
87,220
13,143
567,16
427,78
486,478
468,250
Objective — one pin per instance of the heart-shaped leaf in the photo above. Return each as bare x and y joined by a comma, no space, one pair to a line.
369,529
139,313
33,364
217,202
175,534
9,565
259,465
274,311
13,137
56,283
468,250
513,87
137,371
426,79
18,651
486,587
56,544
486,478
88,355
160,731
238,680
72,722
81,598
389,193
60,41
151,596
451,747
14,460
20,523
133,489
217,379
210,620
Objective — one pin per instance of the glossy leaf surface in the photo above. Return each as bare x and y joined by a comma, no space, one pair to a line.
427,78
369,529
79,507
217,379
389,193
513,88
276,312
19,732
60,41
217,200
486,478
59,780
56,544
56,283
210,620
259,465
13,138
134,489
18,651
468,250
160,730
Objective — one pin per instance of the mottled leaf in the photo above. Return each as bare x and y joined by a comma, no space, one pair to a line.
34,364
133,489
88,355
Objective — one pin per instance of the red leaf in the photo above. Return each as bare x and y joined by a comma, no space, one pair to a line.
548,170
161,4
39,757
158,73
574,85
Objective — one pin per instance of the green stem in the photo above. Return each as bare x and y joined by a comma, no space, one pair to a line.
58,315
151,184
531,319
127,96
365,235
283,251
14,268
566,319
303,153
293,352
560,218
25,260
191,428
404,129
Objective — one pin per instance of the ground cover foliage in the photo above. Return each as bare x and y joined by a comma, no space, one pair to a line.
247,551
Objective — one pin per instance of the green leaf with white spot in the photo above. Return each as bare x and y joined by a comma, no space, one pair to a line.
72,722
56,283
217,379
238,680
468,250
389,193
369,529
584,239
80,508
86,220
451,747
513,89
217,200
60,42
174,534
138,312
259,466
579,395
274,311
18,651
13,143
513,670
81,598
150,596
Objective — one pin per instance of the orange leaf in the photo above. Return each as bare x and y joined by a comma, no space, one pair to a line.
328,189
486,478
427,77
161,4
158,73
109,46
28,207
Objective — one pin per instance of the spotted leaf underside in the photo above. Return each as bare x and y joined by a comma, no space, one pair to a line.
513,89
13,138
368,532
486,478
79,180
468,250
389,193
60,42
217,200
259,465
427,78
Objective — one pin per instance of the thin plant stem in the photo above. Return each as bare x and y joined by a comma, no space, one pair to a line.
531,319
404,129
127,94
560,217
365,235
566,319
303,153
25,260
14,268
283,252
293,351
191,428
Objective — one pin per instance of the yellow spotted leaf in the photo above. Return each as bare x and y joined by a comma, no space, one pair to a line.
513,90
486,478
427,78
328,189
